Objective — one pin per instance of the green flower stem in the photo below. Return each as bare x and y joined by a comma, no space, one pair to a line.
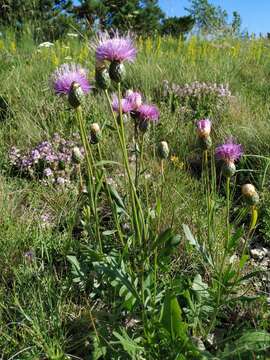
90,172
137,171
224,255
208,201
136,205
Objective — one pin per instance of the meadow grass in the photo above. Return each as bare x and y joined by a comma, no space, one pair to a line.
45,313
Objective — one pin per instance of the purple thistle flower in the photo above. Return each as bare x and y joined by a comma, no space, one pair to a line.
229,152
204,127
135,99
148,113
65,75
126,105
118,48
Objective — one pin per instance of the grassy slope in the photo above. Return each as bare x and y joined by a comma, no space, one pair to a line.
41,314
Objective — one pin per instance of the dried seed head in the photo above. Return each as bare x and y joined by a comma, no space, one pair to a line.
95,133
163,150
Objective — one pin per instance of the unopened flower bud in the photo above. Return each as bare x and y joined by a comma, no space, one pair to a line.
204,128
125,118
117,71
77,156
95,133
103,80
163,150
250,194
229,169
75,95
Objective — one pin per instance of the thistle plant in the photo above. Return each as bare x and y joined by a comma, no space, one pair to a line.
226,278
116,51
71,80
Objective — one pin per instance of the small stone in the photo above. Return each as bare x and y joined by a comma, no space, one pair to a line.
198,342
210,339
258,253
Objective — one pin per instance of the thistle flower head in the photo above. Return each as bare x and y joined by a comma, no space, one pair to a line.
117,48
135,99
126,105
66,75
204,127
229,152
148,113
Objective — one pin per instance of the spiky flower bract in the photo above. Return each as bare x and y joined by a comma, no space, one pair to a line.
229,152
117,48
66,75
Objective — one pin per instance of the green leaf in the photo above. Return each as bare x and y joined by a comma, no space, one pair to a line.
129,345
163,237
190,237
234,239
251,341
172,317
243,261
200,287
175,240
108,232
98,351
116,197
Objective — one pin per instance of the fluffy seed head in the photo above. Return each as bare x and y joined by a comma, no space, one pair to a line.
95,133
248,190
66,75
163,150
116,48
250,194
229,152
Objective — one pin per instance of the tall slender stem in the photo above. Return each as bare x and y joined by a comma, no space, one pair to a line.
90,173
224,255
